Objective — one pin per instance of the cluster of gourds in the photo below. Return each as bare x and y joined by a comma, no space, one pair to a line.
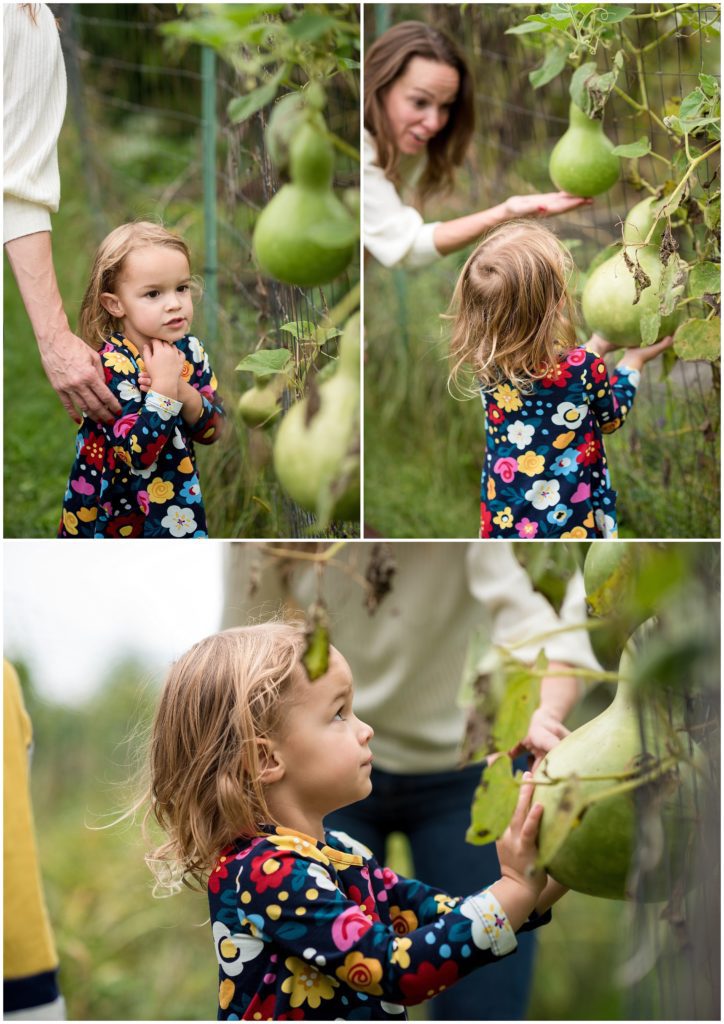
626,766
583,163
306,236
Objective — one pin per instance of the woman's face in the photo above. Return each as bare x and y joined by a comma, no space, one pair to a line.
418,103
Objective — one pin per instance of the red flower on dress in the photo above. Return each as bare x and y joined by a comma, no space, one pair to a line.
219,872
495,413
152,451
589,452
269,870
93,450
130,525
557,377
428,980
486,520
598,371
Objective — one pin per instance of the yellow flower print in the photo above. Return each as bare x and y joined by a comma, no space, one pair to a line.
213,383
563,440
361,973
121,453
160,490
186,465
87,514
491,488
70,522
226,992
444,902
134,445
187,370
575,534
297,842
589,520
119,362
608,428
403,921
307,984
400,956
531,464
508,398
504,519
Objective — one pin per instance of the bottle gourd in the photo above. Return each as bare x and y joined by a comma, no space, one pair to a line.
608,299
582,161
286,235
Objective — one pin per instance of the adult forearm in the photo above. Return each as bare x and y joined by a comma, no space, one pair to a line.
451,235
31,260
560,690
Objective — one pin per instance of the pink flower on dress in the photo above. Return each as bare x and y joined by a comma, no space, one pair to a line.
526,529
506,469
348,927
576,357
122,426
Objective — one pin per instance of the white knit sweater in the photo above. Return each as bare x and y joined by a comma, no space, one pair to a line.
394,233
34,105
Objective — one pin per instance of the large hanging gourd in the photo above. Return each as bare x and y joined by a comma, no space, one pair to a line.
632,749
316,453
609,297
582,161
305,235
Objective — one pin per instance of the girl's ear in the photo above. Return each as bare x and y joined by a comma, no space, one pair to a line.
111,303
271,767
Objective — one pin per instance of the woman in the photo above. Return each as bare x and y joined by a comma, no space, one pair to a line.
419,120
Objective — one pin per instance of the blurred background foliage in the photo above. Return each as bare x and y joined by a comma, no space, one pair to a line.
132,147
423,449
127,956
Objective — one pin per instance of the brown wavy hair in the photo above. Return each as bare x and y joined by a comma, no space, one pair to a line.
512,312
95,323
385,62
204,773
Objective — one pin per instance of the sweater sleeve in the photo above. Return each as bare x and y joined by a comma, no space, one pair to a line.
34,106
611,398
394,233
209,425
317,923
519,613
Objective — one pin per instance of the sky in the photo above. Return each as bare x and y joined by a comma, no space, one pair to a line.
72,610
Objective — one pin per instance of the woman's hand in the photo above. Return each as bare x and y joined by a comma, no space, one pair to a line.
545,731
164,363
546,204
636,358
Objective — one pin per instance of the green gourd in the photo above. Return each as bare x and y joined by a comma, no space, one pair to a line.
259,406
608,297
607,569
303,236
598,854
316,452
582,161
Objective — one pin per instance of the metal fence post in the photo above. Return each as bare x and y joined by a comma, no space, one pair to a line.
208,152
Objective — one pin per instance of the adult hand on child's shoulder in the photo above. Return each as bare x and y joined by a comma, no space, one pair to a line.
75,372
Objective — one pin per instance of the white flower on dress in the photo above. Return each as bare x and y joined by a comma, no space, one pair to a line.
520,434
233,951
544,494
179,521
352,844
177,439
129,392
569,415
606,524
144,473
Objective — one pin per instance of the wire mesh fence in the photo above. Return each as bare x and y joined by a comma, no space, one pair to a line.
665,462
143,134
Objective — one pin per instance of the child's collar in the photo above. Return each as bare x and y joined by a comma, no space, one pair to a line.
308,846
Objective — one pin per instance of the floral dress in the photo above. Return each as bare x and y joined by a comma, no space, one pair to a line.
136,477
305,930
545,471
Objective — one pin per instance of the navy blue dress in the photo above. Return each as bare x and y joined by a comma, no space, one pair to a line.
545,472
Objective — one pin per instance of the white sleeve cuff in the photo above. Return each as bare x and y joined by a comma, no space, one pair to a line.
491,928
423,250
23,218
165,407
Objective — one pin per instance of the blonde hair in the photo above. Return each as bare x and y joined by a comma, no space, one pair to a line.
95,323
512,313
204,771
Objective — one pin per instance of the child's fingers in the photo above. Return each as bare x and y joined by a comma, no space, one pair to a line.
524,798
529,830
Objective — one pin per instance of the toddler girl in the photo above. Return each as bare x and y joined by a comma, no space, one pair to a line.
247,757
137,476
547,401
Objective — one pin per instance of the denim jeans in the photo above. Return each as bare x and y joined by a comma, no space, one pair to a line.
433,811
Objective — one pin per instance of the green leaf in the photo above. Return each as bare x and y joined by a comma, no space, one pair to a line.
266,361
242,107
555,61
316,654
650,323
335,234
577,89
712,213
709,85
692,104
521,698
299,329
672,284
310,25
351,65
532,23
493,803
613,13
633,149
703,278
698,339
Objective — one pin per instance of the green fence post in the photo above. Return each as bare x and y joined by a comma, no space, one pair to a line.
208,155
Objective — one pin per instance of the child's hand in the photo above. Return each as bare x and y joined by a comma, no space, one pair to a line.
599,346
144,381
517,849
636,358
164,363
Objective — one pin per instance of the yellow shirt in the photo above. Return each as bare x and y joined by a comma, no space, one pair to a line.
28,946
